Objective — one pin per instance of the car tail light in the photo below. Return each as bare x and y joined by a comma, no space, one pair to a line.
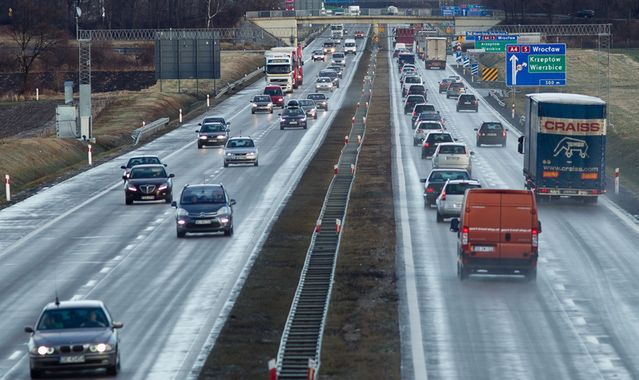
464,235
430,190
544,190
413,113
443,196
503,133
535,237
426,144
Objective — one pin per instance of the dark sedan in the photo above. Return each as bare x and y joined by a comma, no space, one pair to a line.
410,102
212,134
204,208
321,100
491,132
74,335
293,117
148,183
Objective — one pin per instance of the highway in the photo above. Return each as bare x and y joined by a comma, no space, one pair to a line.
579,320
80,240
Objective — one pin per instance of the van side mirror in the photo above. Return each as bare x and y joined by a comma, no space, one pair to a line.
454,225
539,226
123,167
232,202
28,329
197,131
520,145
174,204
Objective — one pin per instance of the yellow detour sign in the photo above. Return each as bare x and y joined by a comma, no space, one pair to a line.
381,28
489,74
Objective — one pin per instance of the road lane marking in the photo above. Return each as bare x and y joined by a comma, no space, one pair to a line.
91,283
105,269
117,258
15,355
76,297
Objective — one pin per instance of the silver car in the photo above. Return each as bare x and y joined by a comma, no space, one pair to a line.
450,200
240,150
324,84
423,128
339,59
452,156
309,107
261,103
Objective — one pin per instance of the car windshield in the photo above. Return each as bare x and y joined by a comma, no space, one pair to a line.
452,149
307,103
328,73
442,176
72,318
278,69
456,85
213,127
316,96
460,188
211,194
415,99
492,127
318,52
328,44
465,98
293,112
262,98
430,126
338,55
420,108
240,143
142,161
208,120
155,172
439,137
413,80
273,91
416,88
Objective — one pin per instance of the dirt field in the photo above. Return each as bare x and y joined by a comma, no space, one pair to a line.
251,336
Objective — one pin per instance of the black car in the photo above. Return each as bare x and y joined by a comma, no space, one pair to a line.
148,183
410,102
204,208
436,180
491,132
416,89
467,102
403,58
293,117
74,335
421,107
433,139
213,133
321,100
139,160
338,69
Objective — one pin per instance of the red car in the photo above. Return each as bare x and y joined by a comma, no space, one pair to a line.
359,34
276,94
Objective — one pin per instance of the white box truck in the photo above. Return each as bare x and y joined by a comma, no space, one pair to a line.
435,53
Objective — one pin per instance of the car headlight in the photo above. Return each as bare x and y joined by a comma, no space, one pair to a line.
282,120
182,213
251,154
270,105
229,154
303,119
100,347
131,188
163,186
44,350
203,137
253,105
223,211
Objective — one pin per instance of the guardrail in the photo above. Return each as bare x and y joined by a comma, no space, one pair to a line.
419,12
150,128
493,94
231,86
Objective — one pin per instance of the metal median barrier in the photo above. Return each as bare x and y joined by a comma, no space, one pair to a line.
300,346
148,129
231,86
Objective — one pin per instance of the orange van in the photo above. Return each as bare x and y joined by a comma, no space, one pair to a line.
498,233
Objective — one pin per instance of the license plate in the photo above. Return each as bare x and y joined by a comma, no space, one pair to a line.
293,122
148,197
203,221
452,158
491,134
72,359
484,248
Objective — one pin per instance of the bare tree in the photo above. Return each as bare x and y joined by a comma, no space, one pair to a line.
214,8
33,29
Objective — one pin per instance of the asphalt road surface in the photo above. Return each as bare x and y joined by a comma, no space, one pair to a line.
579,320
78,238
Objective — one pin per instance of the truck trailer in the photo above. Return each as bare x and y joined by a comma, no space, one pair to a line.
564,146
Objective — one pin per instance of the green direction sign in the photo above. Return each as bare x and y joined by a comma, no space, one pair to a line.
492,43
546,63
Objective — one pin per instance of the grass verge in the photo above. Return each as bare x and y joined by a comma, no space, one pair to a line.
251,335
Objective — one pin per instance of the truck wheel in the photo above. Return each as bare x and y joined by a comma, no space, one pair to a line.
462,273
531,275
440,218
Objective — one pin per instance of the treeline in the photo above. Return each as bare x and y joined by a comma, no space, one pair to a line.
520,10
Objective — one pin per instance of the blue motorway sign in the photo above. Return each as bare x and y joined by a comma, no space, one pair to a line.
472,36
536,65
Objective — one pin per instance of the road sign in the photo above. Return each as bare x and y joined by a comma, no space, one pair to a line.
458,57
471,36
474,69
494,43
466,61
536,65
489,74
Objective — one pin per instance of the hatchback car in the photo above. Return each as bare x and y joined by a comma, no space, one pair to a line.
467,102
331,74
452,155
339,58
309,107
443,84
204,208
419,108
276,94
450,199
432,139
359,34
455,89
240,150
416,89
428,116
324,84
319,55
491,132
328,47
74,335
139,160
212,134
435,181
424,128
321,100
261,103
411,100
338,69
148,183
293,117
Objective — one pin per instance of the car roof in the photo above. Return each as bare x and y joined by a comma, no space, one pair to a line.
469,181
453,144
148,166
240,138
203,185
144,156
74,304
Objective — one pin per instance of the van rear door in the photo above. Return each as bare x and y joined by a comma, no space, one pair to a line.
517,216
482,220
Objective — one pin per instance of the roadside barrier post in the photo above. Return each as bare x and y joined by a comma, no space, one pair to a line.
7,187
89,153
616,181
359,140
335,169
338,225
346,138
37,93
180,115
513,111
143,123
272,369
352,169
208,100
318,226
311,369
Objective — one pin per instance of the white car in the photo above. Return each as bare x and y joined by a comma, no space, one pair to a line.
319,55
324,84
339,59
453,156
424,128
450,200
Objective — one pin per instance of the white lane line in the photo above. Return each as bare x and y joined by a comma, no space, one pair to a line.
15,355
130,246
76,297
579,321
90,284
160,220
139,237
592,339
117,258
418,355
149,228
105,269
